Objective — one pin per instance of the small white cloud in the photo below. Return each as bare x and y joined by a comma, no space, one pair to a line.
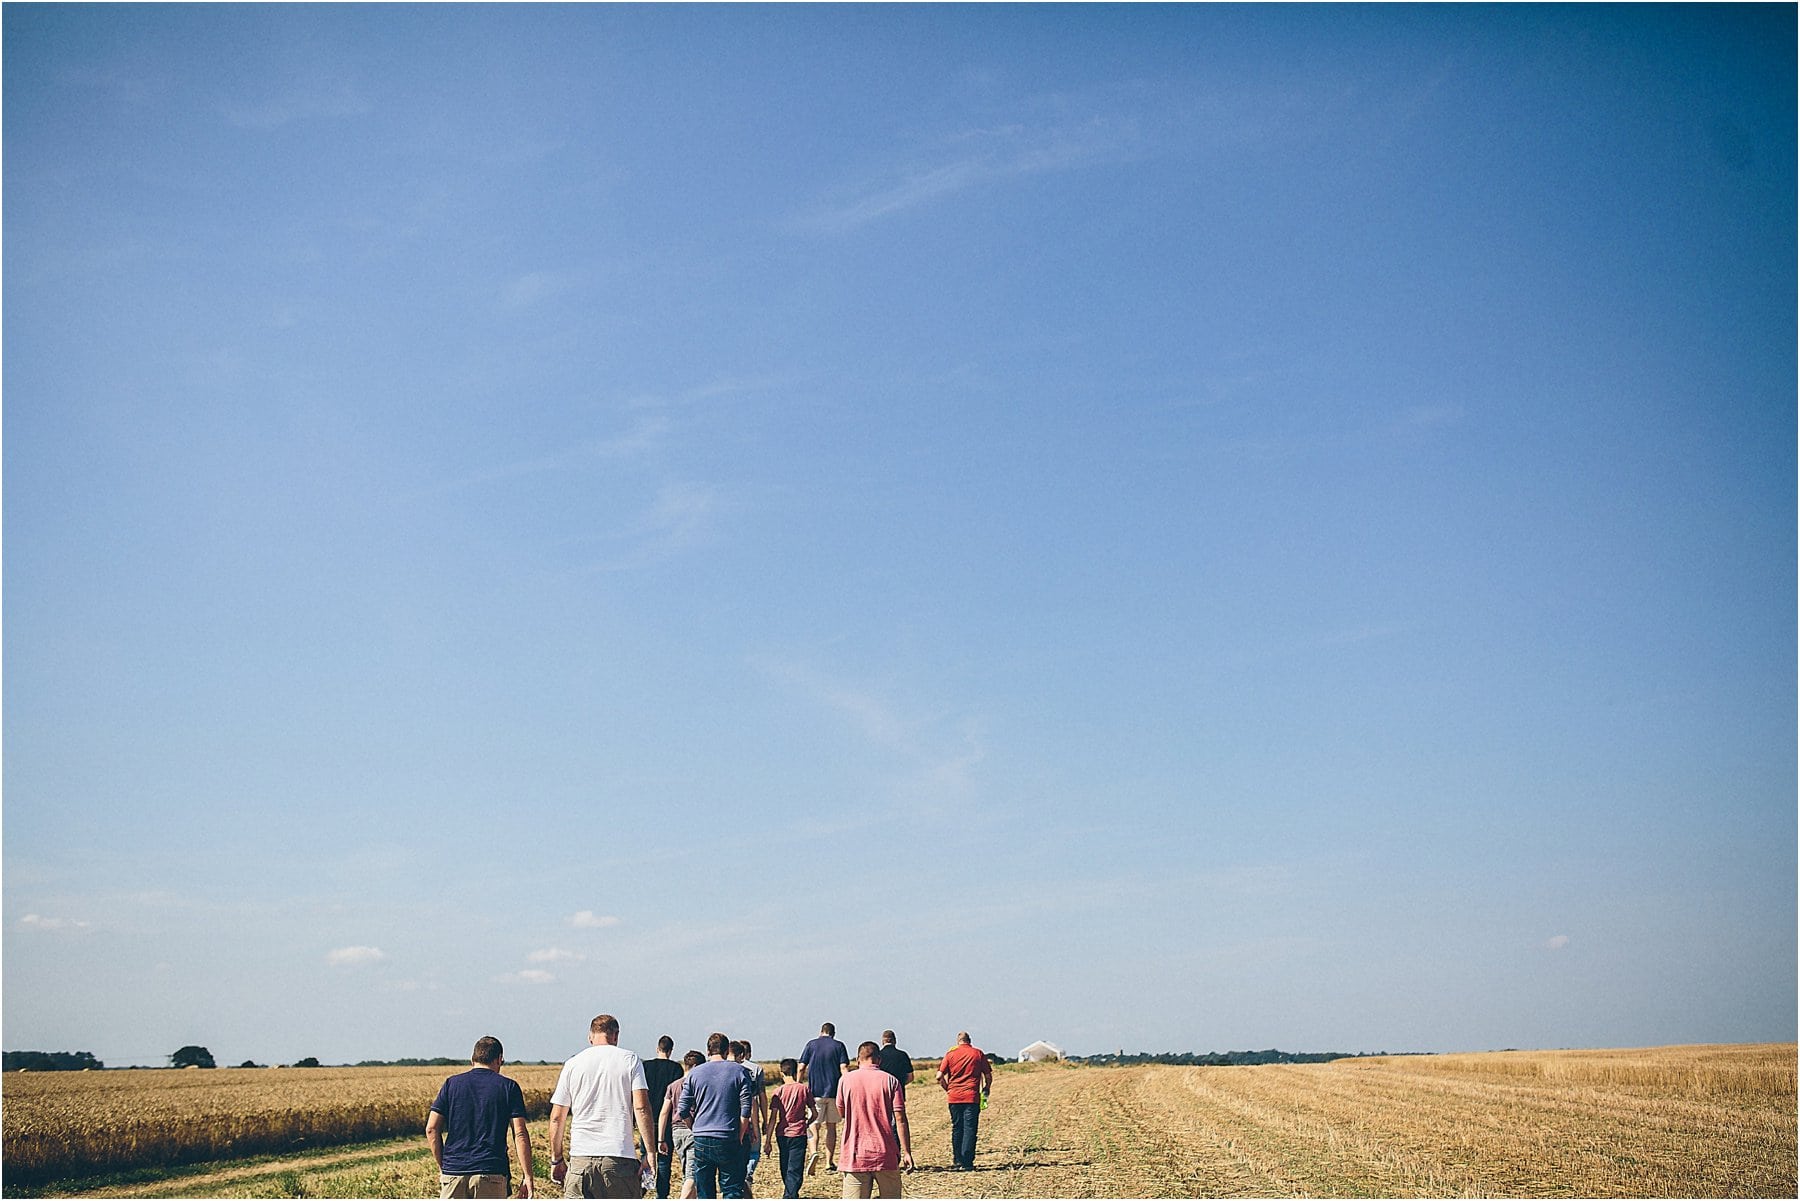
528,976
551,955
587,919
1558,943
354,956
530,288
37,921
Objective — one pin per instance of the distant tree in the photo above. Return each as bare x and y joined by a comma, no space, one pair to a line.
249,1063
308,1062
50,1061
192,1057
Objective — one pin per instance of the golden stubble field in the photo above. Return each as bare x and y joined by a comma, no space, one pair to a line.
1664,1122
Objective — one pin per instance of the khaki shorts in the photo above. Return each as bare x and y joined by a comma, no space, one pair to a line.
884,1184
487,1185
602,1176
826,1111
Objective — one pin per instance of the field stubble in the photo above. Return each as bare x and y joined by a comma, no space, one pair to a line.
1680,1121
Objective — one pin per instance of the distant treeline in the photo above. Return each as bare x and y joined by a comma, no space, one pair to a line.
50,1061
1214,1059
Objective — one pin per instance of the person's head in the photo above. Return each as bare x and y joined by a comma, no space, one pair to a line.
746,1045
887,1038
790,1068
866,1052
665,1046
488,1052
736,1048
692,1060
717,1044
962,1039
603,1031
828,1030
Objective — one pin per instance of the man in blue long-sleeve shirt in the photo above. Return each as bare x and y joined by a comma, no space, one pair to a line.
717,1098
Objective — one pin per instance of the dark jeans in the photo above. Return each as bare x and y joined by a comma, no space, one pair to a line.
718,1166
964,1120
662,1174
793,1163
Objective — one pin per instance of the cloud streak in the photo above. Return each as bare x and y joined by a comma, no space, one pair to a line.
677,519
587,919
354,956
321,100
970,159
37,921
527,976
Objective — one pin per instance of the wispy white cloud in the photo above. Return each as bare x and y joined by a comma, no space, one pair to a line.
970,158
867,709
587,919
327,99
553,954
528,289
37,921
527,976
1557,942
354,956
641,437
679,518
938,754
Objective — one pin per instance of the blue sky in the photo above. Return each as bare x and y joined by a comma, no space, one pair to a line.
1147,527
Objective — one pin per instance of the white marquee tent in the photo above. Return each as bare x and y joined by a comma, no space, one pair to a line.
1039,1052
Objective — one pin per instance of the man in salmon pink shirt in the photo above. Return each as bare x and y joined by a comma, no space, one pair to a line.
876,1140
966,1076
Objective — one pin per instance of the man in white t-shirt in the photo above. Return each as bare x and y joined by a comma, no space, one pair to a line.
600,1095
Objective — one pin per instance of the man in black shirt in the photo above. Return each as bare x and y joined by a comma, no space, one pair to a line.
659,1073
893,1060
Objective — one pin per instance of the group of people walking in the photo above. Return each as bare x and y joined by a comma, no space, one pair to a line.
624,1122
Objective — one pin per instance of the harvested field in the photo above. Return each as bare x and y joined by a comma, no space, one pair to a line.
60,1124
1682,1121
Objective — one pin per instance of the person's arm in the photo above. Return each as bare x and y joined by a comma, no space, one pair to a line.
640,1106
665,1128
987,1075
943,1078
559,1119
522,1143
900,1128
434,1136
746,1110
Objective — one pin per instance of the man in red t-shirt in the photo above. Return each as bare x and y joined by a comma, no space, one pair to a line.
966,1077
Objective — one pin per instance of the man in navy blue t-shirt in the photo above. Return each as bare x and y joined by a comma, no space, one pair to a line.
822,1064
468,1125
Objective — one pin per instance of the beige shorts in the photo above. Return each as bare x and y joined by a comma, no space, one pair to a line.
602,1176
487,1185
884,1184
826,1111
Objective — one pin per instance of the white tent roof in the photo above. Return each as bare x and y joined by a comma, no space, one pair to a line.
1039,1048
